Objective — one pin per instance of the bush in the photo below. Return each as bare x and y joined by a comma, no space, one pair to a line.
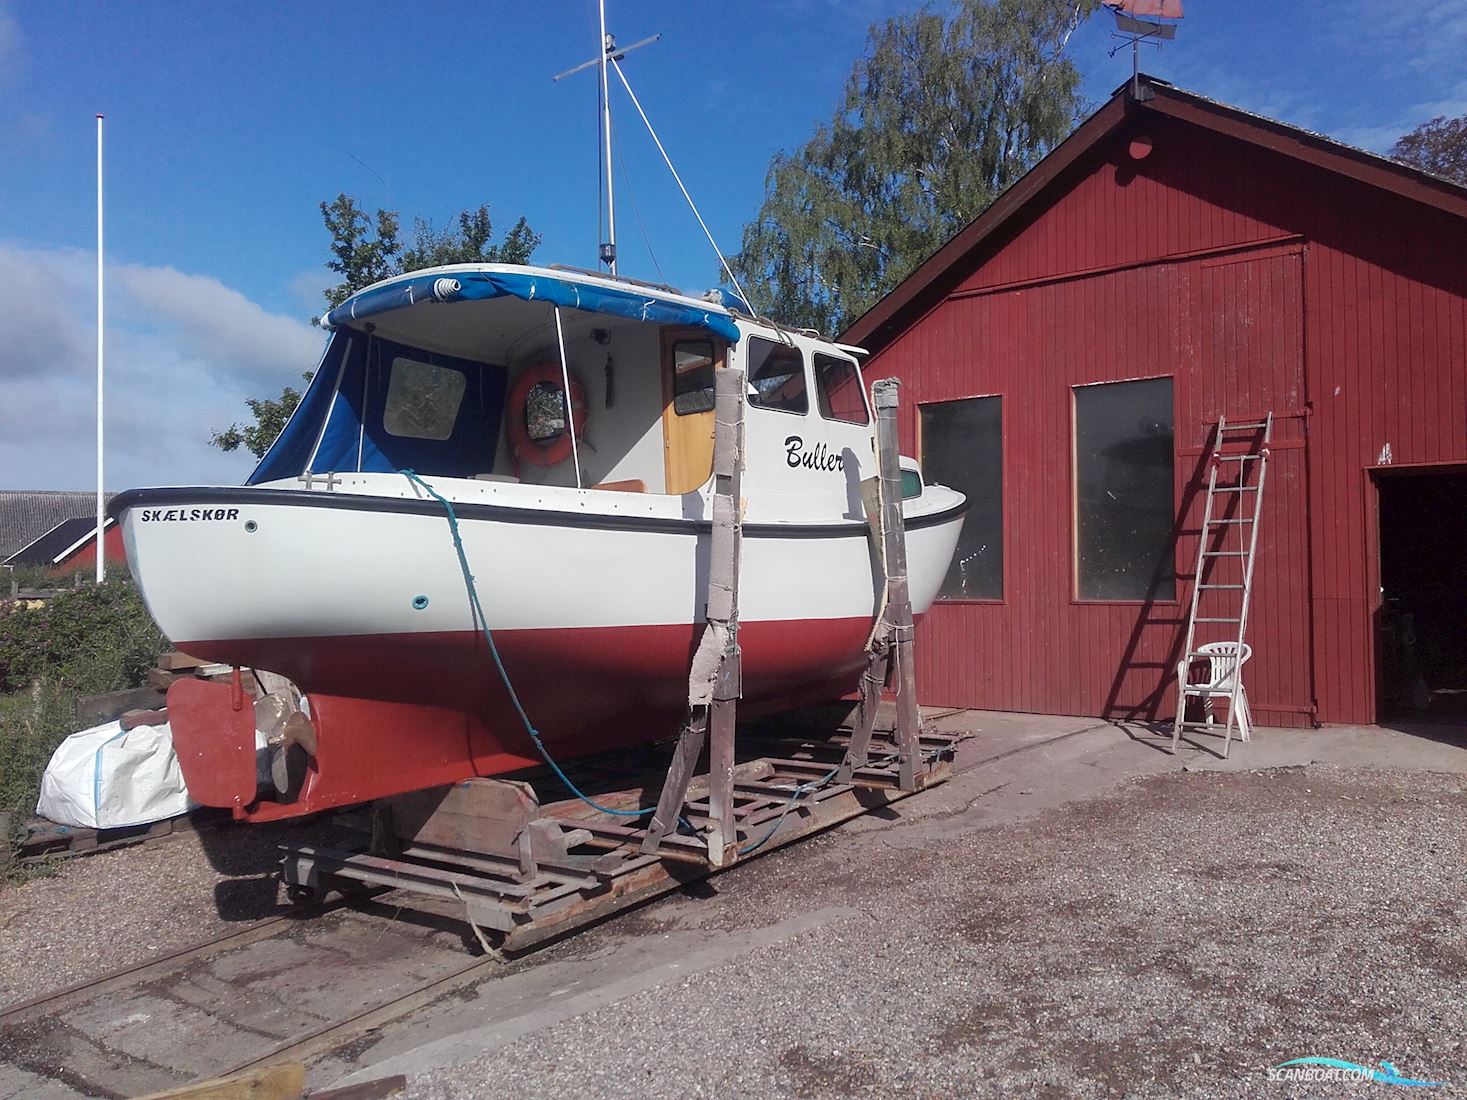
95,638
84,641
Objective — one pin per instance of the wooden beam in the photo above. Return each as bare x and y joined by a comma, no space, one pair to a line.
282,1082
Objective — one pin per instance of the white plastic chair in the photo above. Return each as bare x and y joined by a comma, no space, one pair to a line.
1222,667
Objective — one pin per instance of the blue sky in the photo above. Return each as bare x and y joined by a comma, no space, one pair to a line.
227,123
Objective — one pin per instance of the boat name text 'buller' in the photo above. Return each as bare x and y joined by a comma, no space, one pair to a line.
819,457
187,515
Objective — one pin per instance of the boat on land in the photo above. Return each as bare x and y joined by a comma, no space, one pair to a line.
483,536
587,535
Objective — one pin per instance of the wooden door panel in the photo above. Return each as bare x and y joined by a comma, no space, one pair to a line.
689,358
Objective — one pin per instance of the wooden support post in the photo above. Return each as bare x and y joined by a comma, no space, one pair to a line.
716,680
898,594
891,646
872,681
675,786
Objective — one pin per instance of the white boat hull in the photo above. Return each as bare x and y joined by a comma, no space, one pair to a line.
362,602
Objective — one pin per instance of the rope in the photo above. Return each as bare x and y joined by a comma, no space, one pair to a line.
483,624
691,204
799,792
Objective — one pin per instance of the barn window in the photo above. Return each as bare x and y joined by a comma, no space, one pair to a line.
962,448
1125,509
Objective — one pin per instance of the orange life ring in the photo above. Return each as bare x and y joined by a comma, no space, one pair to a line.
527,449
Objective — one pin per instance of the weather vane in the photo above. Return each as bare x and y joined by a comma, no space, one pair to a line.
1138,21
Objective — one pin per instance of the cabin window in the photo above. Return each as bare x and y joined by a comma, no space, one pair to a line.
838,387
545,413
1125,507
777,377
962,448
692,377
422,400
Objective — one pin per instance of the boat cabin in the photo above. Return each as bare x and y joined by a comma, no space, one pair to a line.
460,372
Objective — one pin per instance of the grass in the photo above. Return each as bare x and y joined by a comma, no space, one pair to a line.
32,723
30,576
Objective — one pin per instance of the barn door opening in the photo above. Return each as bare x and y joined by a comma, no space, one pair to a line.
1421,639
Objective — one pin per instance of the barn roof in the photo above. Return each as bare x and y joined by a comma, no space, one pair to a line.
941,272
27,514
57,543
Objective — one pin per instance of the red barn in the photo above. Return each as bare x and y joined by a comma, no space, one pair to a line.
71,546
1066,358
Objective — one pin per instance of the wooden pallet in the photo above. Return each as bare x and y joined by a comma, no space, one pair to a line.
46,838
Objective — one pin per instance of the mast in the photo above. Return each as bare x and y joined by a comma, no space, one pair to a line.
608,247
610,54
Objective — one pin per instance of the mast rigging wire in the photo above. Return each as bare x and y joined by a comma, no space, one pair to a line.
691,204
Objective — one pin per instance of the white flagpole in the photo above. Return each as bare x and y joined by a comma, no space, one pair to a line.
101,497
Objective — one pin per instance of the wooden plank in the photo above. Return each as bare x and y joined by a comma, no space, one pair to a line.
178,661
476,815
368,1090
278,1082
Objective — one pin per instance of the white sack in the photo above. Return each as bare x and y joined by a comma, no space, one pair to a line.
105,778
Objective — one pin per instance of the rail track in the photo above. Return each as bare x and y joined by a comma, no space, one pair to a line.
285,988
298,986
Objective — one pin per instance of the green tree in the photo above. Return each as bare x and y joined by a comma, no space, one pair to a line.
1438,146
270,415
365,249
942,114
469,243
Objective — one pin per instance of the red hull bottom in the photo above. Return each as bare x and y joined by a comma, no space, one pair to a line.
397,713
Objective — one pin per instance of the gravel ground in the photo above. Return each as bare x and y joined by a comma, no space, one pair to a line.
119,907
1174,938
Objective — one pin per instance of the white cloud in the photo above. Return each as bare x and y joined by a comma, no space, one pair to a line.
216,324
308,289
1426,37
183,352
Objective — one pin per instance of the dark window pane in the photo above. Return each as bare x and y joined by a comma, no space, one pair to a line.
1124,490
838,385
962,448
911,484
692,388
777,377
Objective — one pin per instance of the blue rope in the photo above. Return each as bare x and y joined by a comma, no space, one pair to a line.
795,795
478,608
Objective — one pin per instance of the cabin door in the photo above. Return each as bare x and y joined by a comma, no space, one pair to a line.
689,358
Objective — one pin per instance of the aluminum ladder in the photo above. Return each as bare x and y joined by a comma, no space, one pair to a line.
1235,505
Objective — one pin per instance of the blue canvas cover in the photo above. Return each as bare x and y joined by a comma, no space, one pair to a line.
339,428
533,286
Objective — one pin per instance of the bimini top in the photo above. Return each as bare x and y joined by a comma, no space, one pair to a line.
570,289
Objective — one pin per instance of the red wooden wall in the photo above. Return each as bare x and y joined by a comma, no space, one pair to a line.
85,556
1256,281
